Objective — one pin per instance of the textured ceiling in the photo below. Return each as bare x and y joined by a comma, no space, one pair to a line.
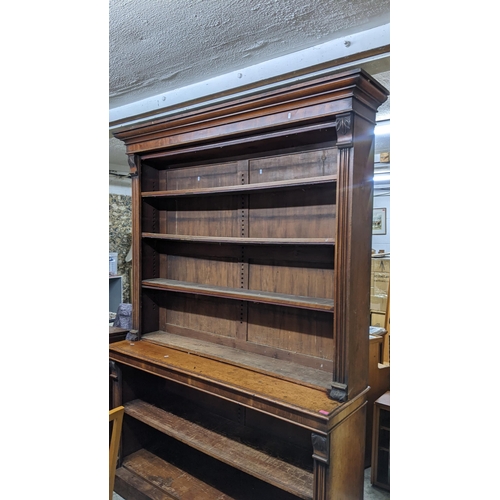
157,46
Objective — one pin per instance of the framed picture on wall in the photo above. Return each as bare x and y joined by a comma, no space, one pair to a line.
379,221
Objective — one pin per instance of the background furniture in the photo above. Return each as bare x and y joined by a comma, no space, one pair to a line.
387,339
116,420
115,292
251,224
380,473
116,334
379,382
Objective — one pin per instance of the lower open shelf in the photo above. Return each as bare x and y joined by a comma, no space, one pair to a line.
146,474
245,458
187,436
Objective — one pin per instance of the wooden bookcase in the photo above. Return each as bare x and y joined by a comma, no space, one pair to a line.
251,274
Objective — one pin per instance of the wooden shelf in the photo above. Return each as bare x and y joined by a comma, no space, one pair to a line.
147,475
235,354
134,478
240,240
269,393
245,188
144,475
251,461
279,299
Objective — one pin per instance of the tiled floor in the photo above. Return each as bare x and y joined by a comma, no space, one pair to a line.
371,492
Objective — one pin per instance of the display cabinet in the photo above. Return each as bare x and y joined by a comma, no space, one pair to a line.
381,464
251,274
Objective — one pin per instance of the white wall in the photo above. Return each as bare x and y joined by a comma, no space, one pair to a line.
118,185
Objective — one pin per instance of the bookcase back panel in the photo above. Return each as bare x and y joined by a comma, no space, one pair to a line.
217,216
294,166
296,330
199,314
273,276
301,213
294,213
293,255
213,251
245,170
204,271
288,269
205,176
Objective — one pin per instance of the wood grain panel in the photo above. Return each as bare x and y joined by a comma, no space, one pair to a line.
296,280
295,166
293,401
237,353
301,213
204,271
203,314
169,481
254,462
205,217
204,176
297,330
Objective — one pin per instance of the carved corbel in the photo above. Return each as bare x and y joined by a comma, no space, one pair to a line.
321,448
338,392
134,172
344,126
321,456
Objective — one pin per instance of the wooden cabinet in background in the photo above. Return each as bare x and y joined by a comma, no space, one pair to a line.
379,382
251,275
381,464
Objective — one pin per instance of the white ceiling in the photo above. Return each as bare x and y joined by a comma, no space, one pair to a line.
158,47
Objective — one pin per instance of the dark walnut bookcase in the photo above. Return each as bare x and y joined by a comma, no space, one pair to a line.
251,280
